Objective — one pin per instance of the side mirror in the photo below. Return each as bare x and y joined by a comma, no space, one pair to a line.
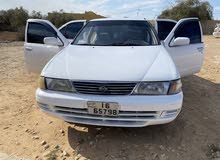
52,41
181,41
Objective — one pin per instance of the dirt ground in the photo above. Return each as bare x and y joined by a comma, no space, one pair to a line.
194,135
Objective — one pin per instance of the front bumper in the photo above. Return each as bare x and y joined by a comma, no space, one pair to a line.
135,111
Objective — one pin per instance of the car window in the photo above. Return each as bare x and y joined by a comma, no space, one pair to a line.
117,33
164,28
63,30
191,30
37,32
72,29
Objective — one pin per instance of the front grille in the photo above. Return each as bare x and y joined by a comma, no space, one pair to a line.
104,88
122,116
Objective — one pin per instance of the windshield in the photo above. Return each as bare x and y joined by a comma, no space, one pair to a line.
117,33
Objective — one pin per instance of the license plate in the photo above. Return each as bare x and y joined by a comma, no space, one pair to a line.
103,108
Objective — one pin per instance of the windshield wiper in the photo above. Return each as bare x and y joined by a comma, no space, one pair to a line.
132,44
112,44
115,44
124,44
84,44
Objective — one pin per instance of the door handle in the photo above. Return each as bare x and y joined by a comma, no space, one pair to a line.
28,48
200,49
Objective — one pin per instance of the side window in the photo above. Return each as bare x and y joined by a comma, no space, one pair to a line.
72,29
164,28
63,30
37,32
191,30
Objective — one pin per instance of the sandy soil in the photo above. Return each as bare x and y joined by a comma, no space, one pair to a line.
195,134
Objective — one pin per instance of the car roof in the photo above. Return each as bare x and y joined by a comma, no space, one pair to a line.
119,19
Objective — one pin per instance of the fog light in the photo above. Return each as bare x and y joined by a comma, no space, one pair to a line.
170,113
44,106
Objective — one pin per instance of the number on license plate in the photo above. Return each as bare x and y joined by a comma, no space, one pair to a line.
103,108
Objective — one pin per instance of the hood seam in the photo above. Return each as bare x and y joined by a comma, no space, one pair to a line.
150,66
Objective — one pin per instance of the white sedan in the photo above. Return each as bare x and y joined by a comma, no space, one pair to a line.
116,72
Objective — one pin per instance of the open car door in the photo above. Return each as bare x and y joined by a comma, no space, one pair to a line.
184,44
42,42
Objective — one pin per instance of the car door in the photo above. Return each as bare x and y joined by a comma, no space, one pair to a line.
36,52
70,29
187,57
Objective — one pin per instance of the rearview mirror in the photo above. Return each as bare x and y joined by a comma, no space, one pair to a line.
180,41
52,41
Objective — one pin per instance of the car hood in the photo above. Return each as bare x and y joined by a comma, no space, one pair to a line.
107,63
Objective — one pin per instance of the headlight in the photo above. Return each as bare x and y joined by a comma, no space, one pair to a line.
175,87
41,83
62,85
158,88
152,88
